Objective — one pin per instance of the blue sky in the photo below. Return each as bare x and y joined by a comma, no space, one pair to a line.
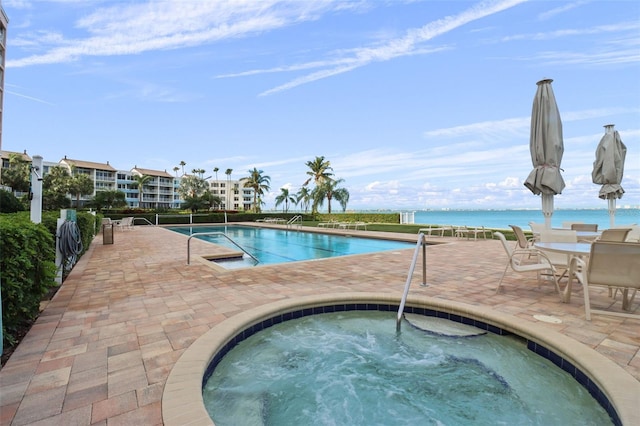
417,104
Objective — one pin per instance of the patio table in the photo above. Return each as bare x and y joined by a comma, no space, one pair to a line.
571,250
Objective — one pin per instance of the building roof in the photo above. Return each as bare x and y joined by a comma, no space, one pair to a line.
152,172
88,164
7,154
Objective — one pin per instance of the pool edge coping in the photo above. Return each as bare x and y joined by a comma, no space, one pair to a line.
182,402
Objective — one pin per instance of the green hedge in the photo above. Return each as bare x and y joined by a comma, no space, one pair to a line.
27,265
27,259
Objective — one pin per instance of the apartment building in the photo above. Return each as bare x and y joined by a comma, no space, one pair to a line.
159,188
233,194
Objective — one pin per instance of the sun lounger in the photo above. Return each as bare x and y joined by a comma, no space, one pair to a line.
435,228
468,232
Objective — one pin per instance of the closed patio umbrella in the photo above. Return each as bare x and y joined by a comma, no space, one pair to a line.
547,147
608,169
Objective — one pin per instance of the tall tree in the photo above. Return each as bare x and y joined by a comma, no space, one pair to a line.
285,198
109,199
175,169
17,175
192,187
259,183
329,190
139,181
182,164
215,170
55,187
303,197
81,184
319,172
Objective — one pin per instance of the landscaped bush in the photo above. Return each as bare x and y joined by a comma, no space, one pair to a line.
360,217
9,203
27,262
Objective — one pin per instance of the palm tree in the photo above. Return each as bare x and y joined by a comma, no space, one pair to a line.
81,184
329,190
139,182
319,172
303,196
285,198
182,163
259,183
228,191
215,170
175,169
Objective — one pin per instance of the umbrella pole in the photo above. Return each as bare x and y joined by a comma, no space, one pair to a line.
612,212
547,209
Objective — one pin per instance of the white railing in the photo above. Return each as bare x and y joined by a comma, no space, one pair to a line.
296,220
221,234
422,242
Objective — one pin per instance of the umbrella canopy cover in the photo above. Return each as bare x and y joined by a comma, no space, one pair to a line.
609,165
545,143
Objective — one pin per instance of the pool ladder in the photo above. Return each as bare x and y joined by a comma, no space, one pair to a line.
221,234
422,242
296,220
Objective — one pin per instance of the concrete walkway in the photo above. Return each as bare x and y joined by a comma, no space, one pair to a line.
101,351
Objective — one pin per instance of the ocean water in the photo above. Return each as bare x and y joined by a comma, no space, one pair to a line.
501,219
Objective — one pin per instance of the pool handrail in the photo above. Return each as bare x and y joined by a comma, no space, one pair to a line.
295,219
422,242
197,234
142,218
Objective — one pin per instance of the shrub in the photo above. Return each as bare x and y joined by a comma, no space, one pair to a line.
9,203
27,260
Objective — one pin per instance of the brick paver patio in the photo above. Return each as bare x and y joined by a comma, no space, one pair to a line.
102,349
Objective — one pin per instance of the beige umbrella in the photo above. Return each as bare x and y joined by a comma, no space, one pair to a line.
609,167
547,147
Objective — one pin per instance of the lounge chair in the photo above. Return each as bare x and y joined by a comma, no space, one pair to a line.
435,228
611,264
527,260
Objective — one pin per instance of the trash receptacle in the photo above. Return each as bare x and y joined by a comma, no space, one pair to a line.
107,233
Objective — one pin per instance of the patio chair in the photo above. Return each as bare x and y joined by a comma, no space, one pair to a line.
634,232
521,238
569,223
586,227
535,229
559,260
124,224
614,234
527,260
611,264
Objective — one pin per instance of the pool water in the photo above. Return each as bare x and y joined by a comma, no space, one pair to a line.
353,368
272,246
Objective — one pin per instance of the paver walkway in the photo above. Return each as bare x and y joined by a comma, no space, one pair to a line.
101,351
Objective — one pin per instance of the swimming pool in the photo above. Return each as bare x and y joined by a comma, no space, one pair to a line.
271,246
351,367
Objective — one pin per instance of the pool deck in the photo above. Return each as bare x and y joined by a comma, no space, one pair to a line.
102,349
